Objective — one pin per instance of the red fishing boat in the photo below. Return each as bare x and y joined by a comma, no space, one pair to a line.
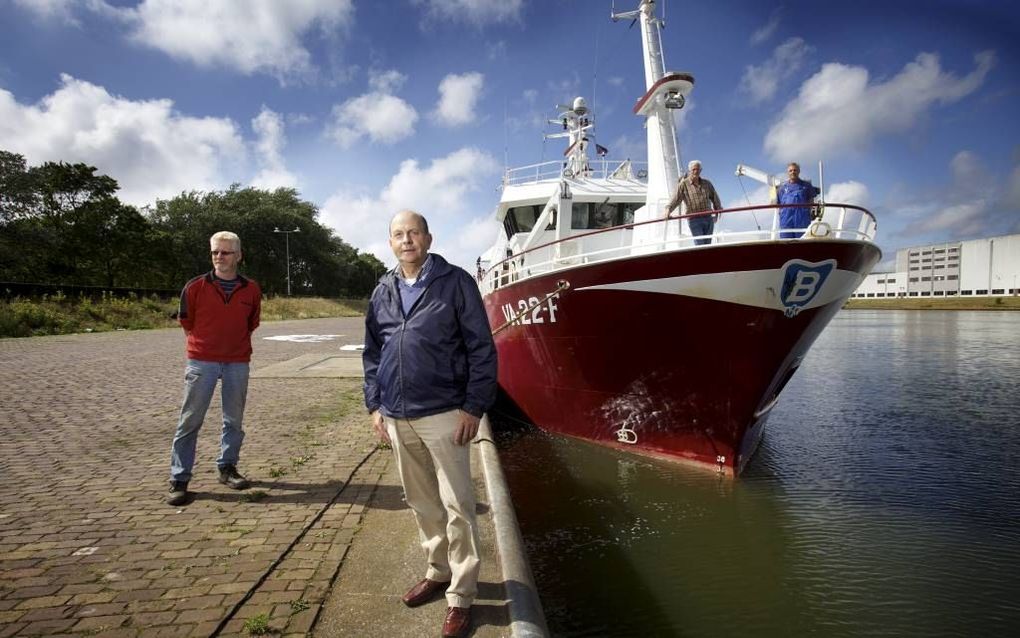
614,325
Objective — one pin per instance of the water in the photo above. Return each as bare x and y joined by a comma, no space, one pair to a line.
884,501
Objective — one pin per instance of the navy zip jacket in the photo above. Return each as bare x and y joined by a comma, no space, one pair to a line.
438,357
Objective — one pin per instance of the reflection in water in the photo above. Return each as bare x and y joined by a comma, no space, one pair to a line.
884,501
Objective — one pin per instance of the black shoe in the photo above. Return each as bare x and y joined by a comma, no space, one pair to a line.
178,493
232,479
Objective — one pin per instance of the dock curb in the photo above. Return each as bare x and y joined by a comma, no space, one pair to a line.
527,619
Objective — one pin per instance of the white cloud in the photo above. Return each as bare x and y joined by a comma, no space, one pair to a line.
963,208
497,50
250,36
387,81
475,12
761,82
150,149
270,141
1012,199
439,191
458,96
963,219
766,30
379,116
839,110
57,10
851,192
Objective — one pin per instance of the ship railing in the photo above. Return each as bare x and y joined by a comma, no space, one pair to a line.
595,169
743,225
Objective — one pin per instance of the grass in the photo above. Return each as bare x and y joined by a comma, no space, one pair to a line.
280,308
257,626
940,303
59,314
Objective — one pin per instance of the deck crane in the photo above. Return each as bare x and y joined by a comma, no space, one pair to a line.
772,181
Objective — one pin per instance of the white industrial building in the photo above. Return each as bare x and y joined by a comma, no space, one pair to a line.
987,267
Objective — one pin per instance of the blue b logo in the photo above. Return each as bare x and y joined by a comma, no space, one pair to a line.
801,282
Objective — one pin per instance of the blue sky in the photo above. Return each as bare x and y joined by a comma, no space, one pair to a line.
367,107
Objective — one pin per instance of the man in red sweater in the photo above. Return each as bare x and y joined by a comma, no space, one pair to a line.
219,311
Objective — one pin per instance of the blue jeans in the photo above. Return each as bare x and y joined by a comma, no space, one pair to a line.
702,226
200,379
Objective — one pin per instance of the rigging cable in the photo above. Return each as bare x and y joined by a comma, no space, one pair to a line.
748,199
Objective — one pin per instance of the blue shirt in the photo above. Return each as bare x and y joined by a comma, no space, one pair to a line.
410,293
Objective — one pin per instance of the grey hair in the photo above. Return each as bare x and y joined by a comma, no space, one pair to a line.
226,235
691,164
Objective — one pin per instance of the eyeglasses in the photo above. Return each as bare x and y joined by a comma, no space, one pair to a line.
225,253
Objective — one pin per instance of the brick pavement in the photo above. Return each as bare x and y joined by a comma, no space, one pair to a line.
87,545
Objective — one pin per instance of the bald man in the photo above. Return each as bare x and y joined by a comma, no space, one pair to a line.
430,375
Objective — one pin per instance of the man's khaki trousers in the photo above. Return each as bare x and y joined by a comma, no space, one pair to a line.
436,475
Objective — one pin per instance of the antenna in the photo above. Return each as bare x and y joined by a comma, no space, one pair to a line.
595,74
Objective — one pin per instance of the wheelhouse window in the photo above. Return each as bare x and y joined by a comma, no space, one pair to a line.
521,219
596,215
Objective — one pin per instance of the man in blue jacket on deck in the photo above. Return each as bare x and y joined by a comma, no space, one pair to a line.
795,191
430,375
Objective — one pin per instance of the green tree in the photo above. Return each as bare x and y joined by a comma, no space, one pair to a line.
320,262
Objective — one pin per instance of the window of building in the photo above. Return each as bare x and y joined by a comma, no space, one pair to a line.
966,293
925,278
981,292
891,280
871,294
939,293
925,293
950,293
913,279
912,294
998,291
952,277
926,261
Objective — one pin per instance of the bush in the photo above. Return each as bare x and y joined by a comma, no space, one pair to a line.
59,314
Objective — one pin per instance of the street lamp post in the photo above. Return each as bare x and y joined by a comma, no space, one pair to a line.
286,234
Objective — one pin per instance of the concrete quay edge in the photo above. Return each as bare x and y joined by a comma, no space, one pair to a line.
527,618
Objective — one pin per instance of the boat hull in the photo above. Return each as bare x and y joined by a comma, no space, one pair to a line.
678,355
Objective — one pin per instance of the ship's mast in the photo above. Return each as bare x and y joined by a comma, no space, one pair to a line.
664,93
577,127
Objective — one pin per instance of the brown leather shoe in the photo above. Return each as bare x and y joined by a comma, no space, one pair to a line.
423,592
457,623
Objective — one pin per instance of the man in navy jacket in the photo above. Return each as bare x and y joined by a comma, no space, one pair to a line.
430,375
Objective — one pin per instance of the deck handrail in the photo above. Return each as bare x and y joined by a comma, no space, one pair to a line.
863,232
554,170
